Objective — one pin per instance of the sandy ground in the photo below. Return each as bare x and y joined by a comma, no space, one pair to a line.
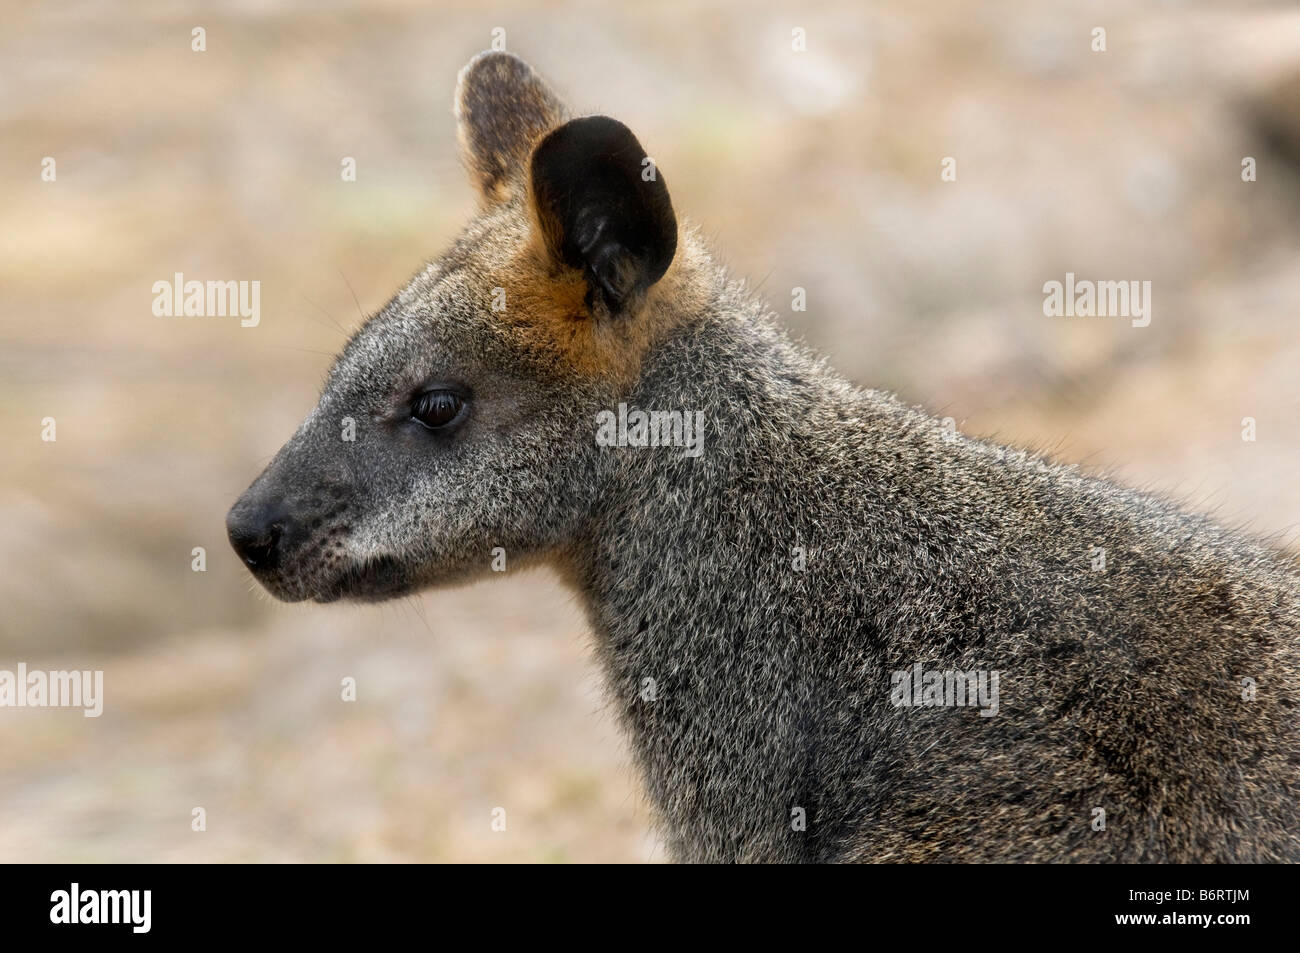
817,170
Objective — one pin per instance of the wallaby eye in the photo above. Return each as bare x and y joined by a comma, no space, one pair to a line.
437,409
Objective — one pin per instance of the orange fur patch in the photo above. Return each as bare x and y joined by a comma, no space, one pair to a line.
545,304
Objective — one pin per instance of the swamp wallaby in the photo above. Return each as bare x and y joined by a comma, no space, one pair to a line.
834,628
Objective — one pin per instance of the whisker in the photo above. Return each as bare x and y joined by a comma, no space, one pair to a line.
333,321
353,293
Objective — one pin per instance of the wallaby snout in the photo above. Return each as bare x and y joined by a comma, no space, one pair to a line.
255,529
290,526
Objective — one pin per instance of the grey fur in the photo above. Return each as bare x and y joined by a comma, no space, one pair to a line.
769,687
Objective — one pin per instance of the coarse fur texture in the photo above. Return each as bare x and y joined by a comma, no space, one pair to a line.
750,604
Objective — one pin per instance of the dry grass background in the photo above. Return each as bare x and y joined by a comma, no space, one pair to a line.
818,170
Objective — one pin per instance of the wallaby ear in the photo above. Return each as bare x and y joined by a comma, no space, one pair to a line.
603,208
502,109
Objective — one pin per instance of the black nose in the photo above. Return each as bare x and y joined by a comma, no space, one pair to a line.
255,532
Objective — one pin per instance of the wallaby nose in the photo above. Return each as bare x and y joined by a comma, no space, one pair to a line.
255,531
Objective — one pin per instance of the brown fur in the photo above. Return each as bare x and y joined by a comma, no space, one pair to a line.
502,108
546,312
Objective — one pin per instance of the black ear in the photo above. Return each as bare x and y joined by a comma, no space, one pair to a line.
604,208
502,109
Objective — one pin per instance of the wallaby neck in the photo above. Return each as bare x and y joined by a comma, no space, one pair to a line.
693,581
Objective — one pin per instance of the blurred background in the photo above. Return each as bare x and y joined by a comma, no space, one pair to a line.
817,169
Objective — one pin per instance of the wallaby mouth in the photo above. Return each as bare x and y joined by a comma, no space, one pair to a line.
373,580
296,547
297,559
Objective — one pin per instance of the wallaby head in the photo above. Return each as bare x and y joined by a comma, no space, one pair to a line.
460,418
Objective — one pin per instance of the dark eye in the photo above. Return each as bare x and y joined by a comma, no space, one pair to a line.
437,408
